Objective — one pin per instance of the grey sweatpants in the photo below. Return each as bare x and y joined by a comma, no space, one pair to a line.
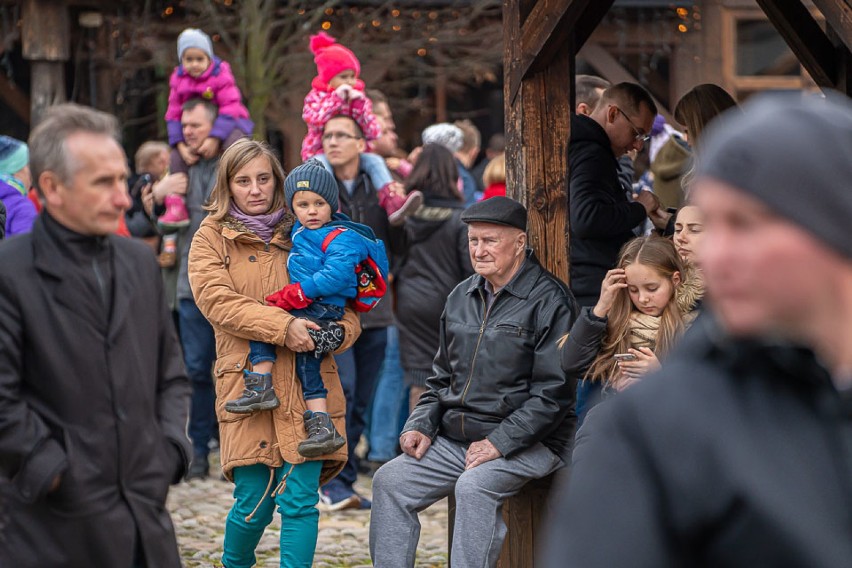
404,486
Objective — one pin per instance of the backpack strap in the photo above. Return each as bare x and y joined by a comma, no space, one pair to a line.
330,237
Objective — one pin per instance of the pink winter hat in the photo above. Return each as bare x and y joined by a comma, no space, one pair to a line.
331,58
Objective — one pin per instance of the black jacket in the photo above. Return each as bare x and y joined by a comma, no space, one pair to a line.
436,258
737,454
601,219
497,372
97,394
362,206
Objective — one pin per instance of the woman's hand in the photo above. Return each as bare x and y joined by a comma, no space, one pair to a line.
644,363
298,339
614,280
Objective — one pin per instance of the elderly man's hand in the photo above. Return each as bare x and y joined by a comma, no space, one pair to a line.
415,443
480,452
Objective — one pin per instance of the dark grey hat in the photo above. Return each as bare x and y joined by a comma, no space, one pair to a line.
311,176
794,155
498,210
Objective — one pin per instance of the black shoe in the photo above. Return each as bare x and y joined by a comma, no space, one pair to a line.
258,395
322,437
199,468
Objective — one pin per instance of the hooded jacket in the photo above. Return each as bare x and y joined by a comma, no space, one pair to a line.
496,374
20,212
436,259
736,454
215,85
601,219
231,271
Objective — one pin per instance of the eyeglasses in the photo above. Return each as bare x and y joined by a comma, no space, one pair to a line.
639,135
343,136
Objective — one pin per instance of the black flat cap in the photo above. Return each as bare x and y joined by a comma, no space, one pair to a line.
498,210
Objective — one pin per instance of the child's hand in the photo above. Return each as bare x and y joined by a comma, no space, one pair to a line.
392,163
290,297
644,363
188,155
614,281
344,91
210,147
356,94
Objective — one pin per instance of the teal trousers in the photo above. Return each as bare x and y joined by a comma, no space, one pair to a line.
257,491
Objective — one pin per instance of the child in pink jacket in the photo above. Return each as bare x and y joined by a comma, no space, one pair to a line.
338,90
200,75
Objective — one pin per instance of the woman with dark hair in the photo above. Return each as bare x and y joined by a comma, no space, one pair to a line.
436,259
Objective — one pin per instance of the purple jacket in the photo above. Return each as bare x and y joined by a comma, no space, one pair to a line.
20,211
216,85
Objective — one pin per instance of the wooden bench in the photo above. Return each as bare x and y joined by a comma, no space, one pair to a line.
524,514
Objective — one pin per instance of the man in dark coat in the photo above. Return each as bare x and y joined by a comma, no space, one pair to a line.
93,394
739,452
359,367
497,411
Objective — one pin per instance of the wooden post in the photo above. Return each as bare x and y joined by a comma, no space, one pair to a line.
46,43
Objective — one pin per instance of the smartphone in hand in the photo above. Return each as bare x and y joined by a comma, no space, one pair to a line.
624,357
144,179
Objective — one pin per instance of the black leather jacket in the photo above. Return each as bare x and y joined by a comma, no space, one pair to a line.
497,371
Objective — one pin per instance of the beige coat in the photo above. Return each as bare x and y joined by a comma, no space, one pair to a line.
231,270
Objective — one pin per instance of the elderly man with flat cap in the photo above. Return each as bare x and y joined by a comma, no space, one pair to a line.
739,452
498,410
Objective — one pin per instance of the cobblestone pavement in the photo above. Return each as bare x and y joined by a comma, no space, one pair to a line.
199,508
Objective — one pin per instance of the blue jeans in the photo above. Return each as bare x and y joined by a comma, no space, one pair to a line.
297,506
359,369
307,364
199,353
390,404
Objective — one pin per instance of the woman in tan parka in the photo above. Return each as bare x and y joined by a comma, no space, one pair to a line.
238,257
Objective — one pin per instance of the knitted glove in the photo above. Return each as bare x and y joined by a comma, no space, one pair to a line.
328,338
290,297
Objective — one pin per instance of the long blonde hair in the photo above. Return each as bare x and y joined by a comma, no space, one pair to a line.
235,158
660,255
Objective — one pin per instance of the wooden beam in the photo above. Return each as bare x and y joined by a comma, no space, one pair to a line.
610,69
838,15
46,30
805,38
543,33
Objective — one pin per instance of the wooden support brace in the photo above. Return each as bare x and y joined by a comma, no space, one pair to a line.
838,15
805,38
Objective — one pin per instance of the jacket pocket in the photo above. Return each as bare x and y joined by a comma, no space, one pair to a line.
229,384
513,330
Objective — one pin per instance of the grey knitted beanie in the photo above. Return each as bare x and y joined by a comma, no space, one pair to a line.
193,37
794,155
312,176
445,134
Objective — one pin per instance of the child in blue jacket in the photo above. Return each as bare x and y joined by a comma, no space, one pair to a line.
327,248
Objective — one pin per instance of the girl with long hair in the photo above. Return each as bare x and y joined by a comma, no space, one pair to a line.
645,305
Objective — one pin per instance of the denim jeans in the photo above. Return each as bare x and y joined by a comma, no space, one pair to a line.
307,364
359,369
199,353
390,404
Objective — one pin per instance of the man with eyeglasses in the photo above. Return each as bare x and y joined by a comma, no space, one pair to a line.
342,144
601,217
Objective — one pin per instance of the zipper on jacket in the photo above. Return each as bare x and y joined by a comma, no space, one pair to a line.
478,341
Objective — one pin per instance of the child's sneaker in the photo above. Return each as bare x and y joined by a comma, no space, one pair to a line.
322,437
258,395
413,201
176,215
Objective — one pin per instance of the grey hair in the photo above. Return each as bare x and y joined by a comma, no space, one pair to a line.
48,151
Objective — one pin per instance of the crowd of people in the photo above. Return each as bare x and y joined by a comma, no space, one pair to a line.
697,355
